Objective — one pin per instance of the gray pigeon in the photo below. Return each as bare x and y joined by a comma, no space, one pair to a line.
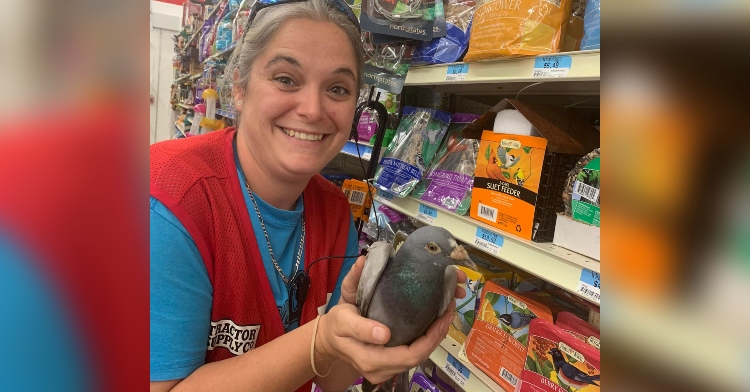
409,289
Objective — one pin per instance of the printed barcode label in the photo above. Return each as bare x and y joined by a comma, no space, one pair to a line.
487,212
427,214
587,191
551,66
508,376
489,241
456,371
589,285
456,72
356,197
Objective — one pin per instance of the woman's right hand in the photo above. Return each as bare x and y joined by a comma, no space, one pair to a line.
344,334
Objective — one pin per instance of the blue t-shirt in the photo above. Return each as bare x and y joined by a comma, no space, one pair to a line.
181,293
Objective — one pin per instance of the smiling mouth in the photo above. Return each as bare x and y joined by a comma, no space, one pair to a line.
301,135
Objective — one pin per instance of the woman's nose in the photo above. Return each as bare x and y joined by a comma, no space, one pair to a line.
310,105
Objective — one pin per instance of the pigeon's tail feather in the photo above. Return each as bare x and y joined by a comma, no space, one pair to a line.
402,382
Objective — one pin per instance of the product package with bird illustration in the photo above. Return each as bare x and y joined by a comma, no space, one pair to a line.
557,361
498,340
466,307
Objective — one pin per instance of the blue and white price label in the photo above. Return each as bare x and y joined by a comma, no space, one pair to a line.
489,241
457,371
551,66
456,72
385,195
590,285
427,214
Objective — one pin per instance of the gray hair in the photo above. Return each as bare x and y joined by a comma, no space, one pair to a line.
264,27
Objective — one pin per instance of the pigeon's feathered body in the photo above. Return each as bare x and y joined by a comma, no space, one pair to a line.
408,290
569,374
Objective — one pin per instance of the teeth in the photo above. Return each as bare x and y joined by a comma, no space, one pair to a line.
302,136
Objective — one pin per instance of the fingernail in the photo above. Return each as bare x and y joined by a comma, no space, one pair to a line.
378,333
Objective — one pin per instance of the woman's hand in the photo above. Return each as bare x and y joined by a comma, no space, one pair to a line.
346,335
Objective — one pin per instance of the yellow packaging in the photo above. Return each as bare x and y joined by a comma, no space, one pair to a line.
574,31
466,307
502,28
489,270
360,200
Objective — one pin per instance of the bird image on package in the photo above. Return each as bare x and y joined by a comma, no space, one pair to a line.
408,289
498,340
557,361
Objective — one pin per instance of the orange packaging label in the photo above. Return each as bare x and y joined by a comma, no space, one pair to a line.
506,181
502,28
360,200
498,340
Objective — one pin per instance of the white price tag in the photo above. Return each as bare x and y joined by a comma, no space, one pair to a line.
489,241
456,72
385,195
590,285
457,371
551,66
427,214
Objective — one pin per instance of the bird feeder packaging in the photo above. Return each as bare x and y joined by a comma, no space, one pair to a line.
498,340
557,361
579,328
519,179
466,307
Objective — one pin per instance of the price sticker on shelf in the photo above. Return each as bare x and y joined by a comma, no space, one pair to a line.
456,72
551,66
427,214
489,241
457,371
590,285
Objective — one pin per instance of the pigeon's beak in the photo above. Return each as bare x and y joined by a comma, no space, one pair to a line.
461,257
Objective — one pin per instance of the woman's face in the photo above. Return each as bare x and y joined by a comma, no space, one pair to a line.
298,106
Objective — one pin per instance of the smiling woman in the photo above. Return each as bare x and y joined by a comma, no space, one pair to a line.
244,292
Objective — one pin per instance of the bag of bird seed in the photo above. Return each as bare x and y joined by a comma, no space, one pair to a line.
499,337
412,149
557,361
450,178
385,222
578,328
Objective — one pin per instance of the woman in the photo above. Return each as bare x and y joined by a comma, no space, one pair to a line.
238,219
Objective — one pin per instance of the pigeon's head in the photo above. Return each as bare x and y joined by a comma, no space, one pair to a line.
431,241
505,319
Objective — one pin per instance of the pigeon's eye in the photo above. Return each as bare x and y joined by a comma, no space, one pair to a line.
433,248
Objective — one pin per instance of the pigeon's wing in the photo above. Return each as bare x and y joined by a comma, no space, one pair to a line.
377,258
449,288
501,155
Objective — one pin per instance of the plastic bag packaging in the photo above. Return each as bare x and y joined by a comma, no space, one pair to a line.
386,65
207,39
438,25
574,31
503,28
591,26
450,178
224,33
451,47
385,222
403,18
413,147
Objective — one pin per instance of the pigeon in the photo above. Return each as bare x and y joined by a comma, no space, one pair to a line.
516,320
569,374
409,289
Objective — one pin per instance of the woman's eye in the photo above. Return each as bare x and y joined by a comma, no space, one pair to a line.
285,80
338,90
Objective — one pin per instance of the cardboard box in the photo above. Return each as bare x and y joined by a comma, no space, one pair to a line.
519,180
467,306
578,237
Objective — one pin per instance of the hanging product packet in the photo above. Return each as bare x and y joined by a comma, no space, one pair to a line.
412,149
403,18
557,361
579,328
591,20
503,28
450,178
499,337
386,65
574,31
438,25
452,46
385,222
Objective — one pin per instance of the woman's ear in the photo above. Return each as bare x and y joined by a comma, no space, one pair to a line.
237,93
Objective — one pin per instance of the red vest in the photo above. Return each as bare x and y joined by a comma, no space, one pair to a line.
196,179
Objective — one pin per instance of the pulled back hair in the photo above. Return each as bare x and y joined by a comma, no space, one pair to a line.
264,27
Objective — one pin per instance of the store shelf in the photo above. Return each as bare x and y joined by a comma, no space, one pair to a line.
351,149
221,54
554,264
188,77
182,105
197,33
478,381
511,75
226,113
